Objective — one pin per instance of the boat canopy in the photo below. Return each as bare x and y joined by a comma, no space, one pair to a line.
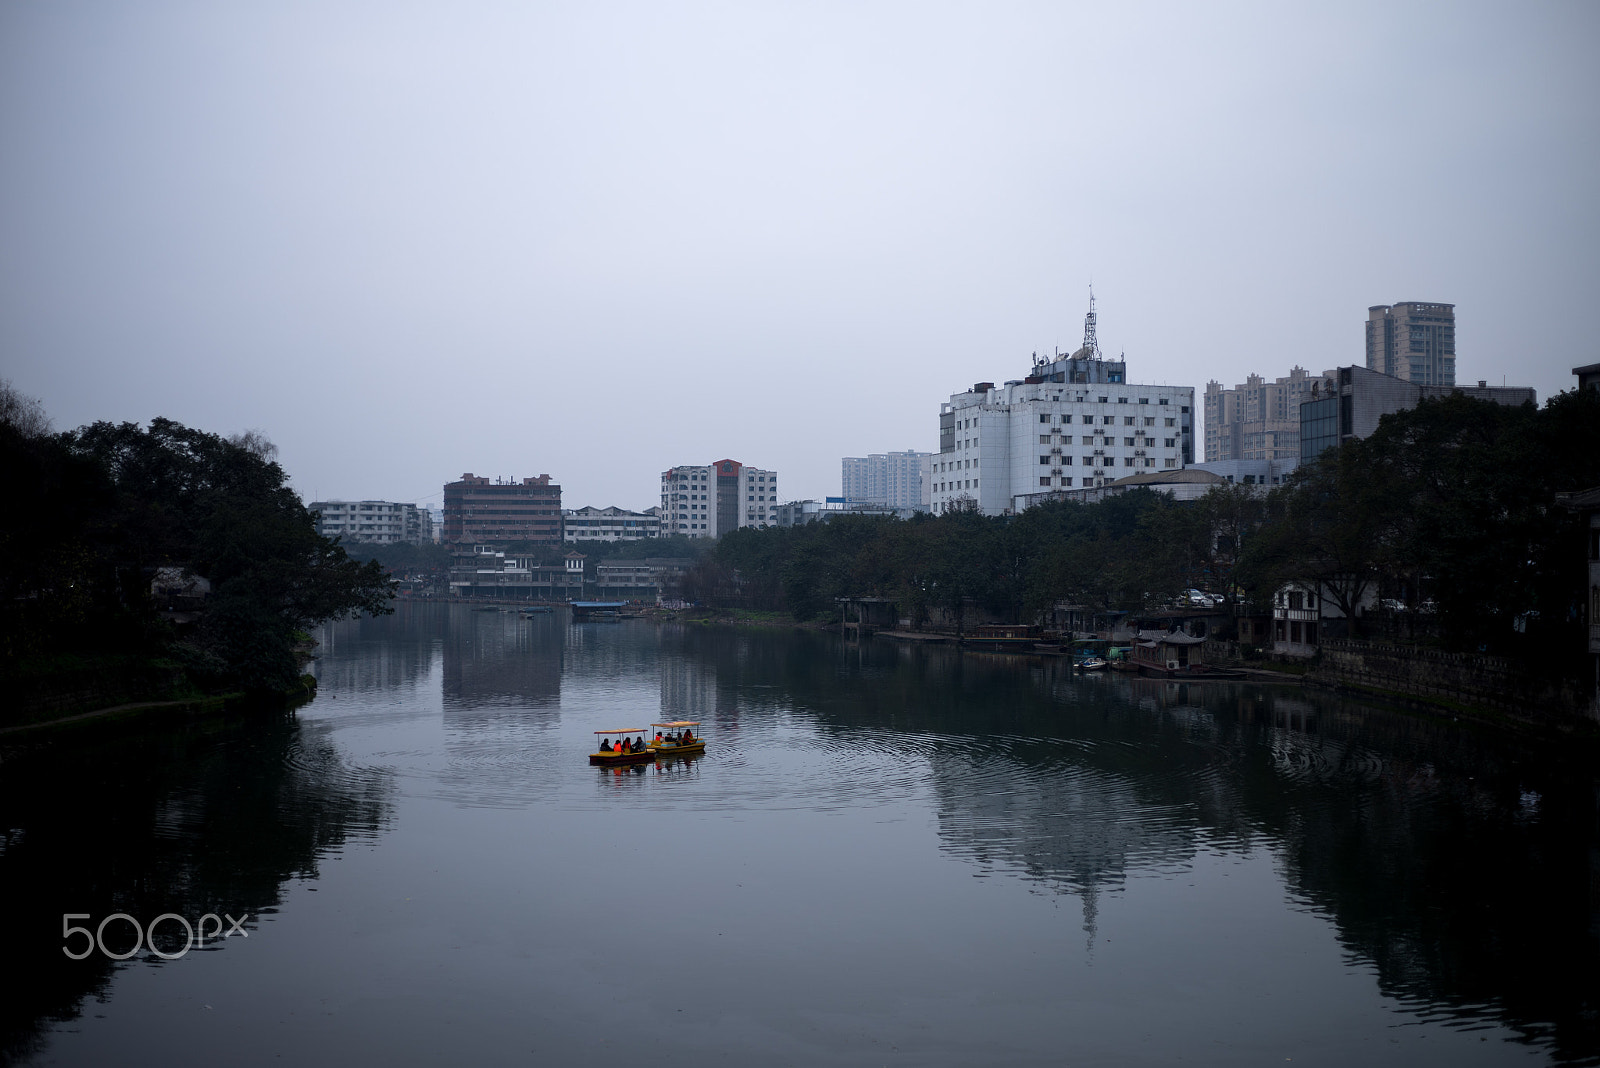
631,730
678,723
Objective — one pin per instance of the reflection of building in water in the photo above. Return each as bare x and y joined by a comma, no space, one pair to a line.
1033,808
501,659
688,687
378,653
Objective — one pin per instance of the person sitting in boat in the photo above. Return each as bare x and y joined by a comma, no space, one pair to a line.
688,736
605,745
658,737
638,745
627,746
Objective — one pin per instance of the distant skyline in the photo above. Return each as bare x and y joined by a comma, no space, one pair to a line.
602,240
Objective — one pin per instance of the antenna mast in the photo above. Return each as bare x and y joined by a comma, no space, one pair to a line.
1089,340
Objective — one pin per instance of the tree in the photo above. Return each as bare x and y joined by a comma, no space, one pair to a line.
173,497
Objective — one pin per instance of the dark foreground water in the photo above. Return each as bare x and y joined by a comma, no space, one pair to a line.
887,856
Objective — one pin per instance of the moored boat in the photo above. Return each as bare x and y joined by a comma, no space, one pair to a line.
624,751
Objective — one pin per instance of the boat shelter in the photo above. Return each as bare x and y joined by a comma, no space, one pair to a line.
1170,651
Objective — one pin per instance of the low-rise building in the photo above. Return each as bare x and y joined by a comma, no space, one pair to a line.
373,522
1303,616
609,524
1349,403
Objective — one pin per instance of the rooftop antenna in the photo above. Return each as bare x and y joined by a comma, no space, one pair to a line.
1089,340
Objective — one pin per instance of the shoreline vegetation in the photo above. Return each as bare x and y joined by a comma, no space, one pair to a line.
155,568
149,568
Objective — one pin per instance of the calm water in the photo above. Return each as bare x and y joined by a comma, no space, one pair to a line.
887,856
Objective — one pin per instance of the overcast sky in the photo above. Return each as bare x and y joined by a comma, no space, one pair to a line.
598,240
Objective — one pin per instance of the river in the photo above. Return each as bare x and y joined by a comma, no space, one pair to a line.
888,855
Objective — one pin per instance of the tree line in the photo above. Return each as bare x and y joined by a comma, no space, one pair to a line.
1450,507
97,514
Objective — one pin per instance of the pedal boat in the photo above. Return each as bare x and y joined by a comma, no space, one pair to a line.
614,755
664,747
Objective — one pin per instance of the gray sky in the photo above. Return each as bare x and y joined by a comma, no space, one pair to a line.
598,240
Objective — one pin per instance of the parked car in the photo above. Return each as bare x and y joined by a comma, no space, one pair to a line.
1201,599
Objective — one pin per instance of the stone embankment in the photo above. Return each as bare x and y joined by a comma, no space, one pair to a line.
1465,680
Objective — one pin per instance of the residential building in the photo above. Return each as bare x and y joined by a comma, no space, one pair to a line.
1074,422
900,480
481,571
709,501
1304,615
498,513
1352,399
373,522
1588,376
609,524
1257,420
632,580
1414,342
798,513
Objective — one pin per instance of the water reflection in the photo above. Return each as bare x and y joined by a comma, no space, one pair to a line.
212,815
1459,861
1454,865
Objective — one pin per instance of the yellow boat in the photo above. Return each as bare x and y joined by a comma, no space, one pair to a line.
608,755
668,738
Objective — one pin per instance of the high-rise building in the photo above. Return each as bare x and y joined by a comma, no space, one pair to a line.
480,512
373,522
709,501
1258,420
892,479
1414,342
1075,421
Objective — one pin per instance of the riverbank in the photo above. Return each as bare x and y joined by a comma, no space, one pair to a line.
304,689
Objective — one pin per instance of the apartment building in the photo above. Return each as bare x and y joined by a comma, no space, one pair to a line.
899,480
609,524
708,501
1414,341
373,522
478,511
1257,420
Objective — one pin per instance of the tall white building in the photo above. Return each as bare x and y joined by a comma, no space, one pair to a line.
892,479
377,522
709,501
1074,422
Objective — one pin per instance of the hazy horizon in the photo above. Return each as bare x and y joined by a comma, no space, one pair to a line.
602,240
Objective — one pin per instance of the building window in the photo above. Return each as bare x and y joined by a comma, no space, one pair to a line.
1044,439
1044,480
1044,461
